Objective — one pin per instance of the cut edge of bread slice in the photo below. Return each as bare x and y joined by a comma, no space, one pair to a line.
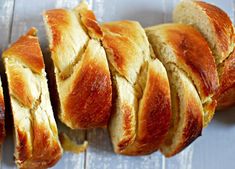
154,109
167,52
35,130
212,22
187,117
81,32
135,127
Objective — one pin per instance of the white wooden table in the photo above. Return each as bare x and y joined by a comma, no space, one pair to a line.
214,150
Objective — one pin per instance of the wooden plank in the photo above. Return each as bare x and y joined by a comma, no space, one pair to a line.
100,155
26,15
207,152
6,13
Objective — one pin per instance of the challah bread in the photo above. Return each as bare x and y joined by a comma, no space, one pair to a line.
36,136
226,93
142,108
2,115
187,49
187,118
81,68
212,22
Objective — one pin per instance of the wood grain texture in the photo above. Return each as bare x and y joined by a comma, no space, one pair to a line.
6,13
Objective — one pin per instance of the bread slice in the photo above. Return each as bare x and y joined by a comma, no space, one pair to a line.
212,22
187,121
2,115
188,50
142,108
36,136
225,95
81,68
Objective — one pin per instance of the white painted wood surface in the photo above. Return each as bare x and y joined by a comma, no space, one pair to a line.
214,150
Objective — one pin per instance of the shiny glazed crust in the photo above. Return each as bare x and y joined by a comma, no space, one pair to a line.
81,68
185,47
141,113
225,95
36,136
212,22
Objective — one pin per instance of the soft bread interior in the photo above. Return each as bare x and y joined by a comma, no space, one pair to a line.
189,12
186,106
122,124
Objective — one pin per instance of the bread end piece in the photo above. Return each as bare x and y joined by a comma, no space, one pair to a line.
71,146
212,22
36,135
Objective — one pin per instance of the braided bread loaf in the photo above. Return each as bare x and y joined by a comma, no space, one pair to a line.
153,107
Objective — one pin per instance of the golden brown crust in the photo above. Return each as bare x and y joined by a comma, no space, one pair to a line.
89,101
142,114
27,50
19,85
129,135
67,39
154,113
226,99
86,93
23,148
89,21
43,147
57,18
193,55
130,29
225,94
126,49
116,46
223,27
36,143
